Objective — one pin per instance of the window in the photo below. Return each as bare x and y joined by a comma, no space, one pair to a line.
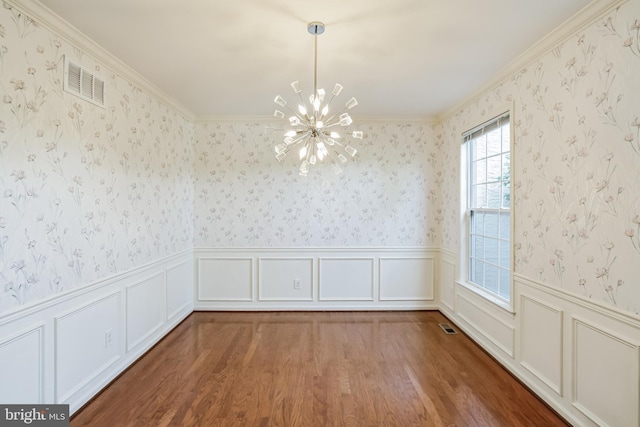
488,213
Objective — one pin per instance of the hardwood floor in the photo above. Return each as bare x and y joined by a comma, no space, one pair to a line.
315,369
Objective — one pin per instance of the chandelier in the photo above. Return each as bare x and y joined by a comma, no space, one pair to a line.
313,129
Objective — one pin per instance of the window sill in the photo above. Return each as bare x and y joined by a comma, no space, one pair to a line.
488,296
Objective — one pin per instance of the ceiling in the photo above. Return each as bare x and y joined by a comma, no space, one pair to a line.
399,58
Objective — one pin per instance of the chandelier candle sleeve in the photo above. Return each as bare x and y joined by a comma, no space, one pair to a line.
309,124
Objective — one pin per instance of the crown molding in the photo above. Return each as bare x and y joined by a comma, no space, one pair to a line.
578,22
52,22
356,119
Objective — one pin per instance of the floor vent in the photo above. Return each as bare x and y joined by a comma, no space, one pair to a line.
447,328
82,83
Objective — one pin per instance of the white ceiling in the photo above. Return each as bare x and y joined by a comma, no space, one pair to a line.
405,58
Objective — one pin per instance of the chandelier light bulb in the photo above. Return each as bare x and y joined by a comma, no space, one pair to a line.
350,150
309,127
294,121
345,119
280,101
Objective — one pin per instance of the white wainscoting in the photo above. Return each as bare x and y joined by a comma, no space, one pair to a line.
146,308
79,332
447,283
22,366
581,356
541,328
487,320
605,374
315,278
407,278
65,349
285,279
346,279
225,279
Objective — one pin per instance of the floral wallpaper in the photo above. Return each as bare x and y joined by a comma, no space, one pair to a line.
85,192
387,196
577,162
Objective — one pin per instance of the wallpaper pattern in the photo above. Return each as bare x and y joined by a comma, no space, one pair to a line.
577,162
85,192
386,196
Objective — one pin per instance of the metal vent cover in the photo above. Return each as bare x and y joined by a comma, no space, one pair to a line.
447,329
82,83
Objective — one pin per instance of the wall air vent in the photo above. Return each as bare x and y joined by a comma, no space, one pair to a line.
82,83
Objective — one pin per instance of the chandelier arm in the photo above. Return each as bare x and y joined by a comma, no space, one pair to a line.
332,124
327,105
298,140
302,101
337,114
292,111
307,145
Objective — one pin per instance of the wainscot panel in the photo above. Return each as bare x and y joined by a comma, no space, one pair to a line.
146,308
472,310
407,278
225,279
561,339
22,367
84,348
65,349
446,284
285,279
316,279
605,375
346,279
179,288
541,328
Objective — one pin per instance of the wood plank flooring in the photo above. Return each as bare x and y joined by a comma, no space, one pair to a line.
315,369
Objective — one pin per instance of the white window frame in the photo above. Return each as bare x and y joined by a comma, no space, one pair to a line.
465,238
